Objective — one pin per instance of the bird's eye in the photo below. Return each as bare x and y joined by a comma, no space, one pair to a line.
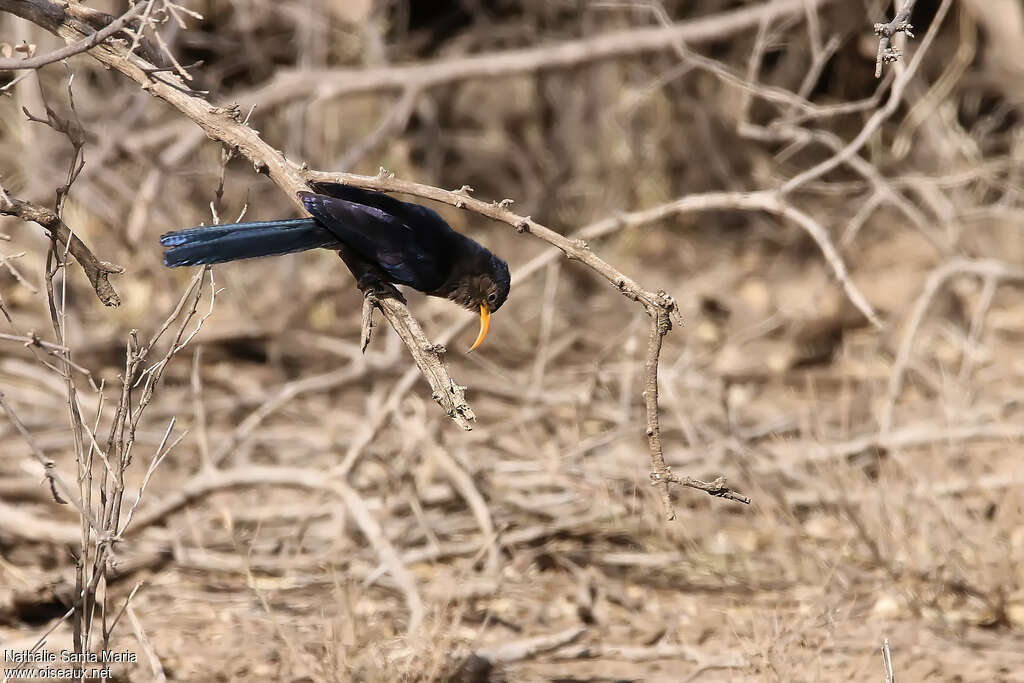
492,297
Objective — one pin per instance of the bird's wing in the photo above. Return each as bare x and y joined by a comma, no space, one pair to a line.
411,251
408,212
357,195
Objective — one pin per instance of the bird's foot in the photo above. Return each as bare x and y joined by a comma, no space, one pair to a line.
373,287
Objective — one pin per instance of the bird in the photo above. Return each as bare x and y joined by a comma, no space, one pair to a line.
380,237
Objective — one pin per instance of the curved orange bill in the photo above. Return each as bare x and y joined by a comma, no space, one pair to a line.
485,324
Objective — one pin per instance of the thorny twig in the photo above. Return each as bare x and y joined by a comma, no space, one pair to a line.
97,271
225,126
877,118
660,325
659,306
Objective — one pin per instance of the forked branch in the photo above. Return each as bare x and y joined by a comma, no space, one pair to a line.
886,32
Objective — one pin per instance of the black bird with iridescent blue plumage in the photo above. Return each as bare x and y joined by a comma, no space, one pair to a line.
403,243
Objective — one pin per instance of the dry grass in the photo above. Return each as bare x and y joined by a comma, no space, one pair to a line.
882,462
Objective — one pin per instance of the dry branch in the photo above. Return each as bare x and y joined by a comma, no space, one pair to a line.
298,85
97,271
84,45
289,86
572,409
660,325
886,32
890,676
62,491
659,306
766,200
877,118
226,126
992,269
449,395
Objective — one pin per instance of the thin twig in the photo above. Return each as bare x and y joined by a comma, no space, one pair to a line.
155,667
879,117
57,481
890,676
990,269
83,45
886,32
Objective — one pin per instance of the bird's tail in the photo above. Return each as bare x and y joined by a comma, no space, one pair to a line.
233,241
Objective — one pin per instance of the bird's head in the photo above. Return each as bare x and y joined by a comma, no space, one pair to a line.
485,290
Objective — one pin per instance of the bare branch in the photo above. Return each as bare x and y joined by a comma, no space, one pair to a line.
97,271
226,125
890,676
428,356
878,118
289,85
83,45
293,85
989,269
899,24
660,325
716,488
57,481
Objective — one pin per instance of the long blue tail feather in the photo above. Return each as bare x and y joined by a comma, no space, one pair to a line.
234,241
